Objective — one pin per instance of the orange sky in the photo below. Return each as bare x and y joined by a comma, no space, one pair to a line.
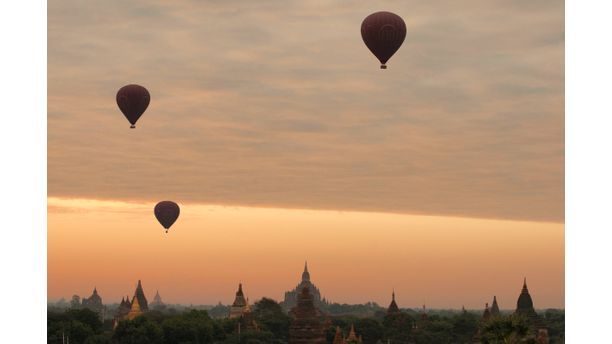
354,257
270,109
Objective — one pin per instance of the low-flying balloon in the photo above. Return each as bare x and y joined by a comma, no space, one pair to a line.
133,100
383,33
166,213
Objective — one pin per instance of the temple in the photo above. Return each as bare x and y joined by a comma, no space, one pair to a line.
486,315
306,327
393,309
135,310
524,307
495,308
94,303
291,297
157,302
240,304
131,309
142,300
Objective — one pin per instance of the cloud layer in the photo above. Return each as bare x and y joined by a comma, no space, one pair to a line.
281,104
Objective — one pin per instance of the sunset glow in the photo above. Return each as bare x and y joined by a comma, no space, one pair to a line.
354,257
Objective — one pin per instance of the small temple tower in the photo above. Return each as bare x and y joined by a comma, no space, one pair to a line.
135,310
239,305
157,301
486,315
292,296
393,309
306,326
94,303
142,300
338,338
352,337
495,308
524,307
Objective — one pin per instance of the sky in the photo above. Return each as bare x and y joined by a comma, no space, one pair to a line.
273,111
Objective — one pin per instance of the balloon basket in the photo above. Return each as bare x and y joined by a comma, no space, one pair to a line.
382,66
132,126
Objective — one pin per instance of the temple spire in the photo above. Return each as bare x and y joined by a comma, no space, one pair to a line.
305,274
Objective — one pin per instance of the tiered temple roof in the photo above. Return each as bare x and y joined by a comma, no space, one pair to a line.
239,305
157,301
393,309
306,326
291,296
142,300
524,306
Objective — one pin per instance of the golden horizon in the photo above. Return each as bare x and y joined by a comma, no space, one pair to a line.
354,257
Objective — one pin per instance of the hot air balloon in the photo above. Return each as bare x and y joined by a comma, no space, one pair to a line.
133,100
383,33
166,213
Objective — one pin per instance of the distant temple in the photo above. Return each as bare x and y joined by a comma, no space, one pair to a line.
291,297
350,339
94,303
495,308
393,309
131,309
157,301
486,315
240,304
306,327
524,307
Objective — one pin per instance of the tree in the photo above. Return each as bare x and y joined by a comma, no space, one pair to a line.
464,327
398,327
138,331
192,327
505,330
370,329
269,316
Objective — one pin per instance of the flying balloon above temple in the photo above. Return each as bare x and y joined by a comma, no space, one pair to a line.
383,33
166,213
133,100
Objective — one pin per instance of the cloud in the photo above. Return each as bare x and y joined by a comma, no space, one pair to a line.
268,104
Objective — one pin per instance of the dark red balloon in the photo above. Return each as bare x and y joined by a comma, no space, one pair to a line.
383,33
166,213
133,100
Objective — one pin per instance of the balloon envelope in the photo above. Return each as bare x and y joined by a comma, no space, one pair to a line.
383,33
166,213
133,100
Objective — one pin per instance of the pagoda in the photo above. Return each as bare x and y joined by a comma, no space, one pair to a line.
291,297
142,300
157,301
352,337
135,310
524,307
306,326
393,309
495,308
338,338
124,308
240,304
94,303
486,315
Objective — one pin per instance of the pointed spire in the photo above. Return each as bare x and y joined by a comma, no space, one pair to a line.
393,295
306,274
525,290
494,307
352,336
